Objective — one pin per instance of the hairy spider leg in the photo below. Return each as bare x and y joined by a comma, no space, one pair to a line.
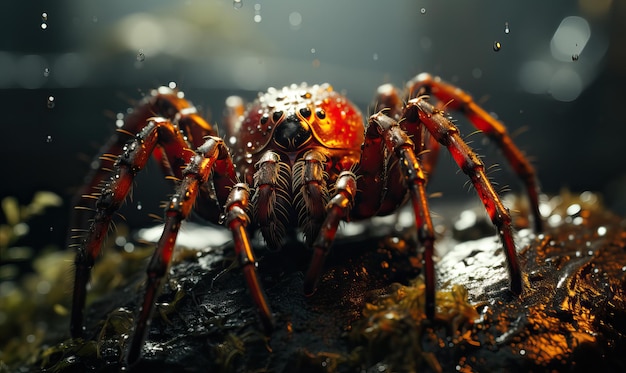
455,98
426,147
337,210
397,141
162,102
134,157
206,159
448,135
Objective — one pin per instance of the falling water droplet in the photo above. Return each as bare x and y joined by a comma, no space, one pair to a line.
237,4
50,102
141,56
496,46
575,57
506,28
44,19
423,10
257,13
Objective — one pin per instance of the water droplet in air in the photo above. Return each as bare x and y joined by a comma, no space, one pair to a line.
423,10
141,56
295,20
575,57
496,46
50,102
257,13
237,4
506,28
44,19
49,139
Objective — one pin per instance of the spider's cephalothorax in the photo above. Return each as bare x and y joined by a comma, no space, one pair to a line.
291,146
296,158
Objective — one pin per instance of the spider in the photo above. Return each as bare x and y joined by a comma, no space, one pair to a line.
297,158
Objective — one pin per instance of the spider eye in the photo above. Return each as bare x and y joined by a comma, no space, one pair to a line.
277,115
305,112
320,113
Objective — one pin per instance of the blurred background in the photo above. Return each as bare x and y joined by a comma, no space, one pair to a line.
553,72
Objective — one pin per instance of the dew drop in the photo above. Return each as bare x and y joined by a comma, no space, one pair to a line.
575,57
46,72
141,56
423,10
139,206
496,46
237,4
44,25
506,28
312,50
44,16
375,56
49,139
51,102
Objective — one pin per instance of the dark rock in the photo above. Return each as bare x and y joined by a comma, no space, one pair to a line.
367,314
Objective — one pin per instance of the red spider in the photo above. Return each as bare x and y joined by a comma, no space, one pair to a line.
301,154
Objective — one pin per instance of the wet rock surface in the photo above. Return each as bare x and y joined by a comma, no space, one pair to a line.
367,314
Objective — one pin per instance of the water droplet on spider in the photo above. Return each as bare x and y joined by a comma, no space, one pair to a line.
237,4
46,72
423,10
506,28
51,102
575,57
497,46
141,56
49,139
